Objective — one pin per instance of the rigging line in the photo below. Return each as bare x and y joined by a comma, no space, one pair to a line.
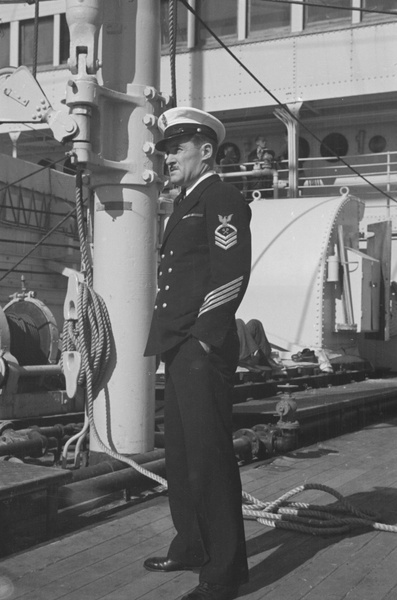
352,8
8,185
50,232
172,16
284,106
20,1
36,37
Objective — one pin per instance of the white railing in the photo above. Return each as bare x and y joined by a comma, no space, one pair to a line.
370,175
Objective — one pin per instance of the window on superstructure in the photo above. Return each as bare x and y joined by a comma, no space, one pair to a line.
4,45
384,5
268,15
181,24
336,9
45,42
64,41
220,16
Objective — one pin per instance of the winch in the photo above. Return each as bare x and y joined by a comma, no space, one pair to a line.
31,379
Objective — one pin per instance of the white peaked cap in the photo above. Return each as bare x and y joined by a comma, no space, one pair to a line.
184,120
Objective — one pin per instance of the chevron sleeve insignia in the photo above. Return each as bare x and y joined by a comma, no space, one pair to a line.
221,295
225,233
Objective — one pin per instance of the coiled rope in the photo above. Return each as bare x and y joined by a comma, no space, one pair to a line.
91,336
335,519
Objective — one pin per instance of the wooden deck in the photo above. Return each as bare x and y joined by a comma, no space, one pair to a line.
104,560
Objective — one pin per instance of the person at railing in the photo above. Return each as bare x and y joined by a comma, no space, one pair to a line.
229,163
264,162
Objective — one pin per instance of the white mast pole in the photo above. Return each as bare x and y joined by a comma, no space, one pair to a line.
124,169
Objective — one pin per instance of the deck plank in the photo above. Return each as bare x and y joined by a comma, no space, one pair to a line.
69,546
104,560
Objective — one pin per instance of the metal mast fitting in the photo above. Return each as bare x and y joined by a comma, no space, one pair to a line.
23,101
83,19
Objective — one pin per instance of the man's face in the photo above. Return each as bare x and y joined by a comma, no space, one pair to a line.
184,160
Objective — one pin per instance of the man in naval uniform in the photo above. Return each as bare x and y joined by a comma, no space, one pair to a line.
203,274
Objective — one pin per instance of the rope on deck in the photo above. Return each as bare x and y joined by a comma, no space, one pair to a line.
335,519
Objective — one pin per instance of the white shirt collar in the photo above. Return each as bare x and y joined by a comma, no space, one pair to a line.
204,176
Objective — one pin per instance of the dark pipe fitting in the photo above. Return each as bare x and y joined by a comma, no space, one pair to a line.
287,441
111,475
35,445
39,370
246,444
55,431
267,435
103,485
90,482
110,465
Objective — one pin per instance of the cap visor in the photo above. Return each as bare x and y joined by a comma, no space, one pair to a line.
161,145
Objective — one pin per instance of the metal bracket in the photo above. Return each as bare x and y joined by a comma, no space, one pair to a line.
22,100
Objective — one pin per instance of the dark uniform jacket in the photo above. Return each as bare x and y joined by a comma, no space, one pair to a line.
204,268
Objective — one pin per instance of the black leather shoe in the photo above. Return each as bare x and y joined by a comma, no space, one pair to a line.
166,565
211,591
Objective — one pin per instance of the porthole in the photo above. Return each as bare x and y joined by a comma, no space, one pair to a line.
377,143
303,152
334,145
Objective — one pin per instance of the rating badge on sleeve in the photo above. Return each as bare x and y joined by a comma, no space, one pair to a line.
225,233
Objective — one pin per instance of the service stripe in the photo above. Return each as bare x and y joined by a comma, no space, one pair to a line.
204,310
231,284
221,295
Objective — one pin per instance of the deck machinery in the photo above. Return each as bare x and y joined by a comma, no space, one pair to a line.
31,380
318,279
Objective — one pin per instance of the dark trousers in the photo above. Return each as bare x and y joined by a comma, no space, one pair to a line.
203,477
252,337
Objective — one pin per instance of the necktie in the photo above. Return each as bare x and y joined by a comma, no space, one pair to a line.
179,198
